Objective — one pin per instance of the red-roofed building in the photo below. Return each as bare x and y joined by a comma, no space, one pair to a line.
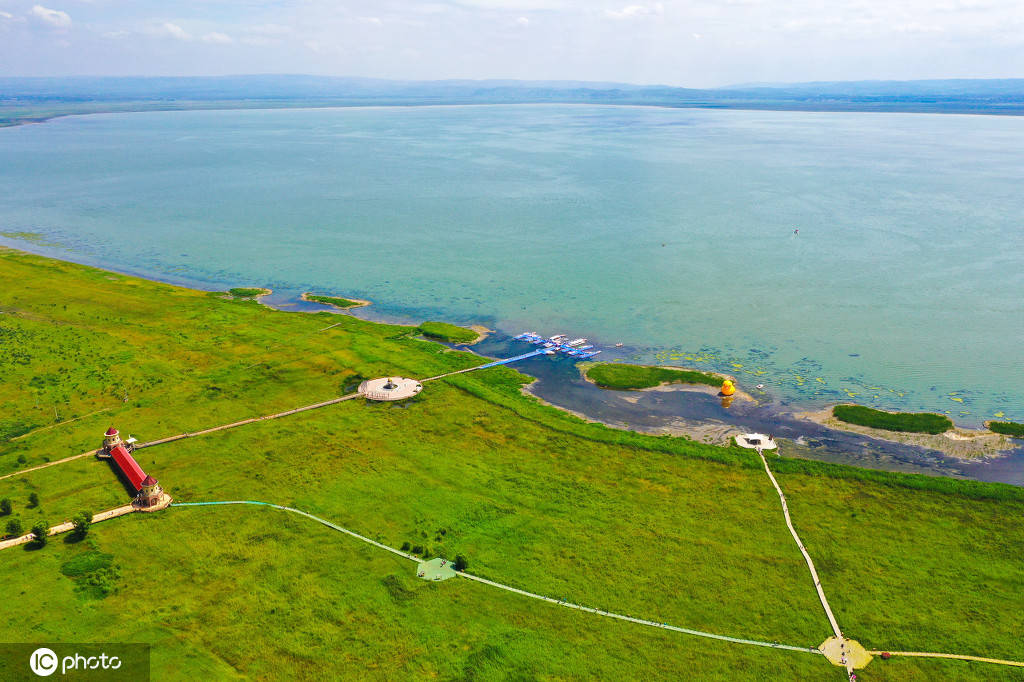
128,466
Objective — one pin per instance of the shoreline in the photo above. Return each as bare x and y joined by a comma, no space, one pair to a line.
964,444
675,385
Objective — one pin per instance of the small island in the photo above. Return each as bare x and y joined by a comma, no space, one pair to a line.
442,331
923,429
1011,429
335,301
249,293
621,376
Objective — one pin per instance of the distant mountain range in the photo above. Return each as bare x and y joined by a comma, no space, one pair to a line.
61,95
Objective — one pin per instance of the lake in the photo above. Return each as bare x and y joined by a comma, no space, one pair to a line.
865,257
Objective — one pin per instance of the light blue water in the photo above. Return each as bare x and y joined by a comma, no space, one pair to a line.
667,230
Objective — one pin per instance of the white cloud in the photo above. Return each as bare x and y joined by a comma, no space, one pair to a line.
373,21
522,21
51,17
216,38
175,31
631,11
6,15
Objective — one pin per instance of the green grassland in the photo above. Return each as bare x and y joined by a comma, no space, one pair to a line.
624,376
1012,429
655,527
908,422
447,332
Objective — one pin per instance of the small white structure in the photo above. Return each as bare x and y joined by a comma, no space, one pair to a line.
756,441
390,388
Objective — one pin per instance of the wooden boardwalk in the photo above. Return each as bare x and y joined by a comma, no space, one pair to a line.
68,525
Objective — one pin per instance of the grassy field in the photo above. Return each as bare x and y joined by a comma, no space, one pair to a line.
447,332
1012,429
655,527
908,422
623,376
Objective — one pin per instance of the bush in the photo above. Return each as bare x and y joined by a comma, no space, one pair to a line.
15,528
447,332
40,531
417,549
405,547
908,422
5,507
461,563
1012,429
33,500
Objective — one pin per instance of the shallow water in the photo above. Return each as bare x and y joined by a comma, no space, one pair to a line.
671,231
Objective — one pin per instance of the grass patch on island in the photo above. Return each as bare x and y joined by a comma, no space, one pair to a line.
332,300
246,292
624,376
907,422
447,332
1012,429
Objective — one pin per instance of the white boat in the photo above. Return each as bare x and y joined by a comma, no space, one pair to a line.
576,342
557,337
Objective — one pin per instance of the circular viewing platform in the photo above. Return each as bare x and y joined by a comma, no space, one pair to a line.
390,388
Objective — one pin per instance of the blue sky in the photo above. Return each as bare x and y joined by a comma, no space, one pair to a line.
696,43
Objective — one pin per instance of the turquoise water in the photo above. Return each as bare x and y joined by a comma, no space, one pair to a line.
671,231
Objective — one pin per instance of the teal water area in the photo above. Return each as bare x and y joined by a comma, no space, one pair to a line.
671,231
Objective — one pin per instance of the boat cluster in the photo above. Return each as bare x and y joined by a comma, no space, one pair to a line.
576,348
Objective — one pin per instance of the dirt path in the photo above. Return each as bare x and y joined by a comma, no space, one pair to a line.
68,525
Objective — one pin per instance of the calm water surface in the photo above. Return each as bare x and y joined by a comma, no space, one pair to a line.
671,231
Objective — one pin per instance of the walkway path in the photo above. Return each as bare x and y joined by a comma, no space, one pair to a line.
68,525
49,464
509,588
803,550
962,657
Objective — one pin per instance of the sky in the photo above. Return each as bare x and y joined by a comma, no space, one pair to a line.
695,43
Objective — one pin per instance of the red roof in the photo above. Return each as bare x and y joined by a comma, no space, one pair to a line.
128,466
148,480
111,432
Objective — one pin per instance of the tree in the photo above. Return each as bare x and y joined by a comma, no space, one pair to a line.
82,522
5,507
40,530
14,527
33,500
461,563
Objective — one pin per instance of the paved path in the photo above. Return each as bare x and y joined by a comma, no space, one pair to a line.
68,525
803,550
509,588
963,657
48,464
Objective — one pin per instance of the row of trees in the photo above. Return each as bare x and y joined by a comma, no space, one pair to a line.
41,529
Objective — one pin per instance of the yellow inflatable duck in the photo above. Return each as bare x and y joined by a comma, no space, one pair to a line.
728,388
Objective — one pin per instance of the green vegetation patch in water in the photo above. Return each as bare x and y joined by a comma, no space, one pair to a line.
1012,429
908,422
447,332
622,376
242,292
332,300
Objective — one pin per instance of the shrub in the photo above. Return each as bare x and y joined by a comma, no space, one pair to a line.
33,500
15,528
405,547
417,549
1012,429
908,422
461,563
5,506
